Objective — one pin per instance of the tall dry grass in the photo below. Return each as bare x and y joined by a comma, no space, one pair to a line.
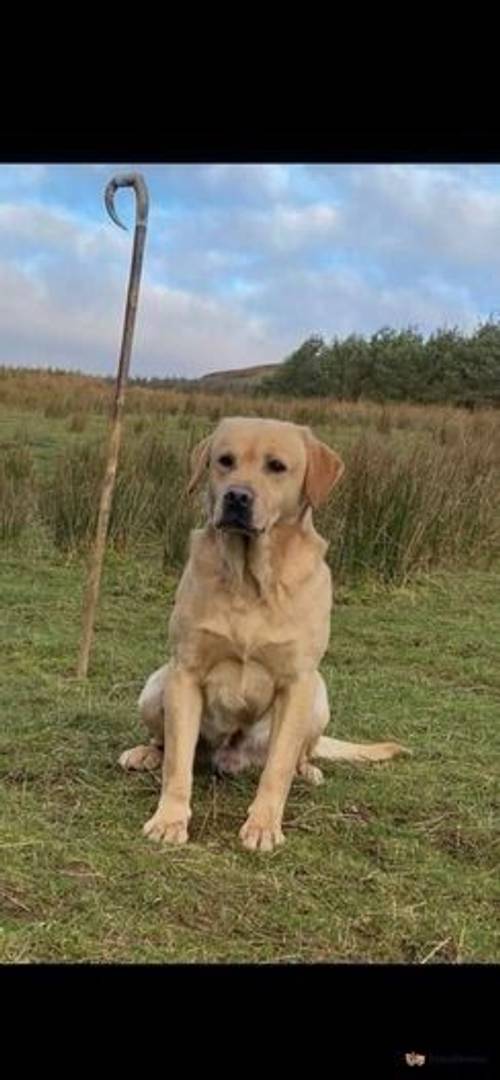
17,490
393,514
399,512
421,488
149,501
64,394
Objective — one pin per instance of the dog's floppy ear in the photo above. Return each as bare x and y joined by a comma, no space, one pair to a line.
324,468
200,456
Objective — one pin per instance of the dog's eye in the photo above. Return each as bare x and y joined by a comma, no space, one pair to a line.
227,461
274,465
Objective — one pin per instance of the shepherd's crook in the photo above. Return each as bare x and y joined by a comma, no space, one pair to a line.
136,181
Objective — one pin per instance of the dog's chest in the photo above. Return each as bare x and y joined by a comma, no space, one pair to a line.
258,634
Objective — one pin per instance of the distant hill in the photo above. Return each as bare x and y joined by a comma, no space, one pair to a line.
219,380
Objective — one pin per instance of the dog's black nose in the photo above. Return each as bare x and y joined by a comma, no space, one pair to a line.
237,509
239,499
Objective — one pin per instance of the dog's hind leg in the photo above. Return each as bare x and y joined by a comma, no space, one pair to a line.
150,756
320,720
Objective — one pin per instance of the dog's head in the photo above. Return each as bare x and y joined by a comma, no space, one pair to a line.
261,472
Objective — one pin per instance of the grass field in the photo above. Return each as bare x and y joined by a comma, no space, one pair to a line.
394,863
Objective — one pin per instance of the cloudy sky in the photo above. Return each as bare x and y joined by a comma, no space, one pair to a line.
243,262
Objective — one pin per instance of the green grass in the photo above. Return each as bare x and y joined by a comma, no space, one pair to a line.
397,862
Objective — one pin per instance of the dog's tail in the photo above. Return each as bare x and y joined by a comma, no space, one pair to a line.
327,749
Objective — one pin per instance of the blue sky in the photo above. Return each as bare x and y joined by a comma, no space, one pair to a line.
243,262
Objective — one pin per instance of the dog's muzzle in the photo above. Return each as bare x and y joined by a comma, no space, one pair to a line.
237,510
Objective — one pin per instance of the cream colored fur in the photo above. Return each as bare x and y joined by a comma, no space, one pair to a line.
250,625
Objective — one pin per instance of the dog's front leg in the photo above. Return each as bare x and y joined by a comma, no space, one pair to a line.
292,715
182,708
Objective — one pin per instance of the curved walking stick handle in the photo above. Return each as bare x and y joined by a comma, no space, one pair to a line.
136,181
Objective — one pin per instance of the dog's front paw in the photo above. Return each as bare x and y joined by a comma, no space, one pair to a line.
141,758
161,828
261,835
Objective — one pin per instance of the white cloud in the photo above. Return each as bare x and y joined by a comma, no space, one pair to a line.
37,225
248,182
194,335
423,211
51,231
246,235
177,332
291,228
340,302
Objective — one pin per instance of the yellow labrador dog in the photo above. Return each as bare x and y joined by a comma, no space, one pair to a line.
250,625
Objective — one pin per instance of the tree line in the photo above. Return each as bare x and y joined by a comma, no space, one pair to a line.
398,365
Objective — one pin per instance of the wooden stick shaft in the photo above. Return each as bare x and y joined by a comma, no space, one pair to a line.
98,549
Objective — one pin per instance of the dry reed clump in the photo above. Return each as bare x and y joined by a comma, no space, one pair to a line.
17,490
149,500
78,422
396,513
